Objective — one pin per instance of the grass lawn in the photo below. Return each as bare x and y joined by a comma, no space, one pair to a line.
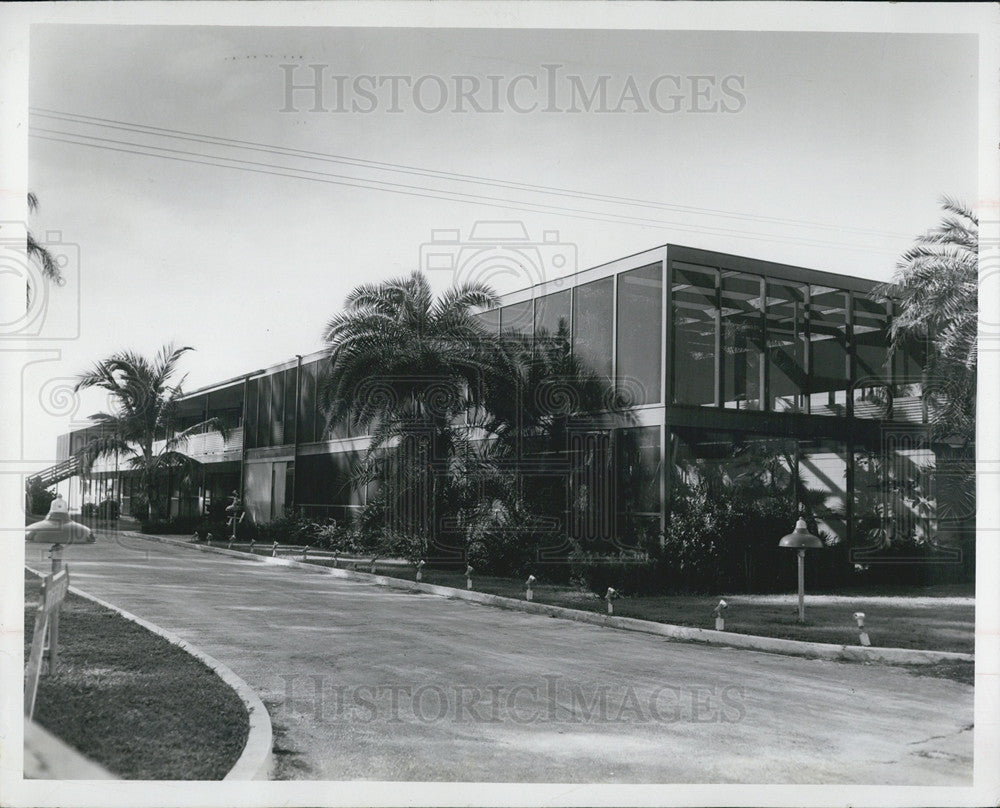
133,702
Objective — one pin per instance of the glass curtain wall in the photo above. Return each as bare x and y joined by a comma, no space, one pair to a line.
787,343
640,322
742,341
593,315
829,351
696,322
872,388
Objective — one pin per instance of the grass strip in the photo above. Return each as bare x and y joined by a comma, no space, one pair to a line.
130,700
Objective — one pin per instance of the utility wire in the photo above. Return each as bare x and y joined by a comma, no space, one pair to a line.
177,134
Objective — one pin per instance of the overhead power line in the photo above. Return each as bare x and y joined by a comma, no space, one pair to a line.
425,191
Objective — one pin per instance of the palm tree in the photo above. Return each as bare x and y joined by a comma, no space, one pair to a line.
936,286
404,367
146,410
38,253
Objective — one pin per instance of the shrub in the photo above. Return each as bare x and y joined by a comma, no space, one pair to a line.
502,540
38,498
727,542
630,573
109,509
179,525
89,510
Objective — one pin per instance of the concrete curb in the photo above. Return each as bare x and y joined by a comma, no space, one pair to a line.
256,760
815,650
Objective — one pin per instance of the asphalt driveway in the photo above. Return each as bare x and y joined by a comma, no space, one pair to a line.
369,683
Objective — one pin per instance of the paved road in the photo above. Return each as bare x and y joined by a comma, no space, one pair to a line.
364,682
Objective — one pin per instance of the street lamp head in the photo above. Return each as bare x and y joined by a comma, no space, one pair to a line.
58,528
801,538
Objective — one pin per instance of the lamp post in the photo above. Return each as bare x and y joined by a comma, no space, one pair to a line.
801,539
57,529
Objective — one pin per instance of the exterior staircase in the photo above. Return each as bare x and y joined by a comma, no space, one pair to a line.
56,473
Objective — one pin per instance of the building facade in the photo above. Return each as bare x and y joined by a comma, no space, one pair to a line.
723,363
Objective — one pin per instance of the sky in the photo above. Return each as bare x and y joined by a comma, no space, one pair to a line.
202,203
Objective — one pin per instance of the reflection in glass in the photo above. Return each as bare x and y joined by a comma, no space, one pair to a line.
786,346
593,313
640,321
828,341
742,341
517,318
871,389
553,312
638,495
695,316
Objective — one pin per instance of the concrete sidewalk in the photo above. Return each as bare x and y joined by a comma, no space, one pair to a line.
366,682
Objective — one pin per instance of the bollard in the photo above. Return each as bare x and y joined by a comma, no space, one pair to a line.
371,568
305,553
531,580
336,561
208,539
610,595
274,549
720,616
420,567
468,577
251,545
860,617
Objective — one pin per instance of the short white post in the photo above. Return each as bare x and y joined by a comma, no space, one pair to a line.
371,568
252,543
305,553
860,617
720,615
274,549
468,577
208,538
610,595
420,568
531,580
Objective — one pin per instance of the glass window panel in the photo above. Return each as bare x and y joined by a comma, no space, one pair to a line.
517,318
250,428
871,388
264,411
786,346
553,313
307,403
907,401
695,316
289,410
823,483
828,342
277,408
490,320
640,319
639,469
593,313
742,341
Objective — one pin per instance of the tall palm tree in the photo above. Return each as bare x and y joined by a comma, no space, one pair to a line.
404,367
936,285
39,254
45,259
146,410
